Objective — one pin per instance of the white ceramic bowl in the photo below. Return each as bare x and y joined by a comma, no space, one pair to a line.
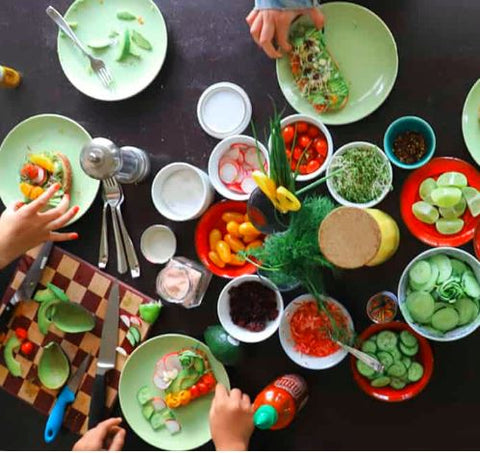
314,121
457,333
158,244
288,345
241,334
336,195
217,155
185,198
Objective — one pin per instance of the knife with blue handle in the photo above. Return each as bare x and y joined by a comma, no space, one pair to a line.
66,397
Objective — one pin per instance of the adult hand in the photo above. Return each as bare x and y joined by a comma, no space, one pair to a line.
105,436
231,419
267,25
24,226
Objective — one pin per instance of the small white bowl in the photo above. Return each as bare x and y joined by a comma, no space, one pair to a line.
452,335
237,332
184,198
315,122
338,197
288,345
217,155
158,244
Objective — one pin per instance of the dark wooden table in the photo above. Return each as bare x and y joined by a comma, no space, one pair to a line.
438,43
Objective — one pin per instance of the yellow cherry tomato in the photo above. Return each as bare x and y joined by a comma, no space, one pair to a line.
237,261
215,259
214,236
235,244
184,396
232,228
247,229
246,218
250,239
172,401
232,216
224,251
254,244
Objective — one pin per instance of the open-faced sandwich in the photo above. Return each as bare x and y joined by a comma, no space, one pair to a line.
316,73
42,170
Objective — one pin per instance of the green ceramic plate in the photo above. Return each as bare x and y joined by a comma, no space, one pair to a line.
471,122
366,52
96,20
46,133
138,371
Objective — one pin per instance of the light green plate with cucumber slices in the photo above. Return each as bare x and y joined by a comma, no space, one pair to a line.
130,36
138,371
366,53
471,122
46,132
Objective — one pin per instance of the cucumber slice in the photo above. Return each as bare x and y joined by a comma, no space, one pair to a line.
398,369
470,285
386,340
131,338
458,267
445,319
364,369
369,347
157,421
99,44
466,309
421,306
440,305
382,381
430,285
396,354
444,266
408,339
148,411
415,372
407,361
144,395
124,46
397,384
409,351
136,334
420,273
386,359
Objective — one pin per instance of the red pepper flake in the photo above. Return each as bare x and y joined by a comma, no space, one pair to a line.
409,147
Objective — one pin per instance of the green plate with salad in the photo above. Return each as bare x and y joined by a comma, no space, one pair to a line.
471,122
344,74
130,36
139,375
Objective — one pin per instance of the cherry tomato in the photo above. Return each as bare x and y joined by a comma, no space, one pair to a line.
288,153
304,141
293,164
321,146
297,152
209,380
21,333
288,134
313,132
302,127
27,348
313,165
202,388
303,170
194,392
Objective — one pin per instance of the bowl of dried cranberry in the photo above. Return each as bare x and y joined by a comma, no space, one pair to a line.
306,332
308,144
250,308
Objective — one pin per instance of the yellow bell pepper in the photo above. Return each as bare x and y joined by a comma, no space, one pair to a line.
265,184
287,200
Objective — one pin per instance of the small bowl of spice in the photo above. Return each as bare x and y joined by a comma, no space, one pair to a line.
250,308
409,142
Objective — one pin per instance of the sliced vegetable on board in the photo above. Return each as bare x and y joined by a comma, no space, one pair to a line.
53,367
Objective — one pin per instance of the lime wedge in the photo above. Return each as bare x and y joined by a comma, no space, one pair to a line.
447,227
455,211
452,178
472,196
425,212
426,188
446,197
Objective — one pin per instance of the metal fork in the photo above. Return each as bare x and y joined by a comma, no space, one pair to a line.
116,191
112,196
98,66
103,252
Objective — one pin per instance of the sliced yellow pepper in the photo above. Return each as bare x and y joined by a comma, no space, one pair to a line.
287,200
265,184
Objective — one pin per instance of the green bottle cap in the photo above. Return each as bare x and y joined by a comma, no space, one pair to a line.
265,417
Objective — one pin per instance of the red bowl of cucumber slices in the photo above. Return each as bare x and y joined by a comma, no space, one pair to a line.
407,358
440,202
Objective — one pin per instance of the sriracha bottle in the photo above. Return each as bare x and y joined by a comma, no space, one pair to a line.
276,405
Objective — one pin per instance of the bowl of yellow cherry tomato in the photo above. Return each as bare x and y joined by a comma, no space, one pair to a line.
222,235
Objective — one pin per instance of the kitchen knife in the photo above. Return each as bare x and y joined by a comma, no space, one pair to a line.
65,397
27,287
106,356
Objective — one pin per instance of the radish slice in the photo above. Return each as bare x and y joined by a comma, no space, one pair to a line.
126,320
41,176
251,157
172,362
248,185
160,382
232,154
172,426
135,320
158,403
234,188
228,172
121,351
240,176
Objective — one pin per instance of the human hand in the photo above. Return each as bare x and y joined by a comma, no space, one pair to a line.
24,226
231,419
269,24
105,436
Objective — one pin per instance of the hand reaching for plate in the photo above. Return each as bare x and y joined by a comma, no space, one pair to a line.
105,436
269,25
24,226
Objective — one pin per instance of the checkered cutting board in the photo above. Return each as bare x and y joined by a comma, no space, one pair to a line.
83,283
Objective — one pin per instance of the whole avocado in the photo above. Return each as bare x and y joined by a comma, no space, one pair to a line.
226,349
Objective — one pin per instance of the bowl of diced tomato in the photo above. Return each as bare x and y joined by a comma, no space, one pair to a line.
309,145
306,332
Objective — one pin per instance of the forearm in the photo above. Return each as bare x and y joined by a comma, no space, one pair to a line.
285,4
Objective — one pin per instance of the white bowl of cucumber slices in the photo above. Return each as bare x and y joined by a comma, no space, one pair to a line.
439,294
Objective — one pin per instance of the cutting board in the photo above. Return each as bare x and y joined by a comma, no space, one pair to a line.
87,285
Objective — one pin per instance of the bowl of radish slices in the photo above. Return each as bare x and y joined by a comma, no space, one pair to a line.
232,163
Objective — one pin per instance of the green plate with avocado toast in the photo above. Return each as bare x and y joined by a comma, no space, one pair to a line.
138,372
130,36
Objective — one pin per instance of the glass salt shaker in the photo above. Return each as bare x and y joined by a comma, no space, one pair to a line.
102,159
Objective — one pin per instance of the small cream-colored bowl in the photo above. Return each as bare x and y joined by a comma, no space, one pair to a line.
158,244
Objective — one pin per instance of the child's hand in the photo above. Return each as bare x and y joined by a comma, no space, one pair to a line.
24,226
105,436
231,419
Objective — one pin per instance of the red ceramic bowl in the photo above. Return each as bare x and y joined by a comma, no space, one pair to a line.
388,394
409,196
213,219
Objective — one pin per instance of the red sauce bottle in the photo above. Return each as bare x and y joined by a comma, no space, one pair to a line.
277,404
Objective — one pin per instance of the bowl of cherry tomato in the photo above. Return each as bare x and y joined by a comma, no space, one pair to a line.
308,144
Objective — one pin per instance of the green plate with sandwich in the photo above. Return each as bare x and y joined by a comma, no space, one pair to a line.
471,122
343,74
43,150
